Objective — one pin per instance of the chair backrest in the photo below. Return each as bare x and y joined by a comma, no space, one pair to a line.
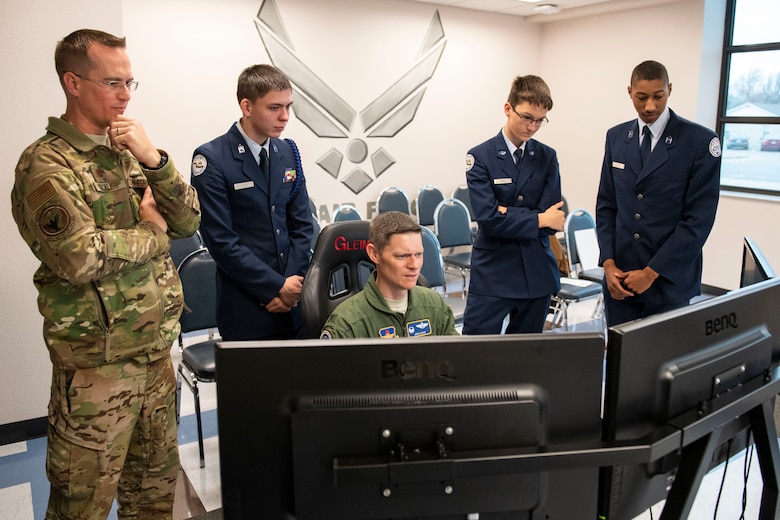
198,273
346,212
392,199
428,198
339,268
433,265
461,192
452,223
577,220
181,247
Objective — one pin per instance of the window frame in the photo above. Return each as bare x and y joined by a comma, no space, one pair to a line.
729,50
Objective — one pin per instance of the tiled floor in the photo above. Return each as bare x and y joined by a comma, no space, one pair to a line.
24,489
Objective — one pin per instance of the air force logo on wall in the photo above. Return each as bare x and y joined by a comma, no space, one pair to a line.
327,115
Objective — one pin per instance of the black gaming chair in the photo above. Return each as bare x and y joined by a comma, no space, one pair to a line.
339,268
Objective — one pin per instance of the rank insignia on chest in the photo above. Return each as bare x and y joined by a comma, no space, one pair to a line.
290,175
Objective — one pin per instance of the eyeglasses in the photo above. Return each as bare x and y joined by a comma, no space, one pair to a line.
530,120
112,84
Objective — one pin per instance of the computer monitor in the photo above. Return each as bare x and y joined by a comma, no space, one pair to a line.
668,370
407,428
755,266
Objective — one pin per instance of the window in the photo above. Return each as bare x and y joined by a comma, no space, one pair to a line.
749,108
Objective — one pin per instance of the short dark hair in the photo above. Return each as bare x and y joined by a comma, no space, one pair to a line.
385,225
649,70
530,89
72,52
258,80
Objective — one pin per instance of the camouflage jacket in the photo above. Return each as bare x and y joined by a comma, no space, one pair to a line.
107,288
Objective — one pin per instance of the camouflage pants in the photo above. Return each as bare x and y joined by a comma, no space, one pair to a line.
112,433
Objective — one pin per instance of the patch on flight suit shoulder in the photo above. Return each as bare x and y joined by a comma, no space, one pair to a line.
419,328
54,221
326,335
387,332
199,164
469,161
715,150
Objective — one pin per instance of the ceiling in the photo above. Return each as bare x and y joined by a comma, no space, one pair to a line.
567,8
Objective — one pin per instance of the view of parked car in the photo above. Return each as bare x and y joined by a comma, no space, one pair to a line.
737,143
770,144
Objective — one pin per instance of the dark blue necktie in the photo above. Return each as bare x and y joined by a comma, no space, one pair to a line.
647,140
264,166
518,158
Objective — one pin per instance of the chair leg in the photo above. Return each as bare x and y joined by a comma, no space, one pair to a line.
178,393
196,393
192,382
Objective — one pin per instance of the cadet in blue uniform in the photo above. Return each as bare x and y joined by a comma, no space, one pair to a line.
653,215
256,223
515,190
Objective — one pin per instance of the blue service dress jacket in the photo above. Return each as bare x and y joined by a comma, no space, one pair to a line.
258,233
511,256
659,215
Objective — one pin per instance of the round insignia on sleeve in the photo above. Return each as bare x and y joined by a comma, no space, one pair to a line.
715,147
325,335
469,161
54,221
198,164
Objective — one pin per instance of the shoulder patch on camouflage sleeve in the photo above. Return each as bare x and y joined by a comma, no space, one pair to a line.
325,335
54,221
42,194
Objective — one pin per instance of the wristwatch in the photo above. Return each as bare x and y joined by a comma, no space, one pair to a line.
163,162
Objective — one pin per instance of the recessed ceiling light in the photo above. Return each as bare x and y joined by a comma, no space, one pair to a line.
547,9
529,1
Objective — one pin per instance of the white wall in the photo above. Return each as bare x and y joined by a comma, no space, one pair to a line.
359,49
188,54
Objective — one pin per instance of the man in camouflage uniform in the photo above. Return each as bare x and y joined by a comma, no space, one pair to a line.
97,202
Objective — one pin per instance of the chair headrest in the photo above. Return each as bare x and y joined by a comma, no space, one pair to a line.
339,267
341,242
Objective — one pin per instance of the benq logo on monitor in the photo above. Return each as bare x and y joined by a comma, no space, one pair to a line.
718,325
419,369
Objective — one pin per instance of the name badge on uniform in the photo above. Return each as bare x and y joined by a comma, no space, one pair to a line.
243,185
419,328
503,180
138,182
618,165
387,332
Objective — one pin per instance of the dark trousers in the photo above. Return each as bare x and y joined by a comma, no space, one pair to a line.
485,314
621,311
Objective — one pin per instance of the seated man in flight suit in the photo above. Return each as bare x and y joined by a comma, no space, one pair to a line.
391,304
